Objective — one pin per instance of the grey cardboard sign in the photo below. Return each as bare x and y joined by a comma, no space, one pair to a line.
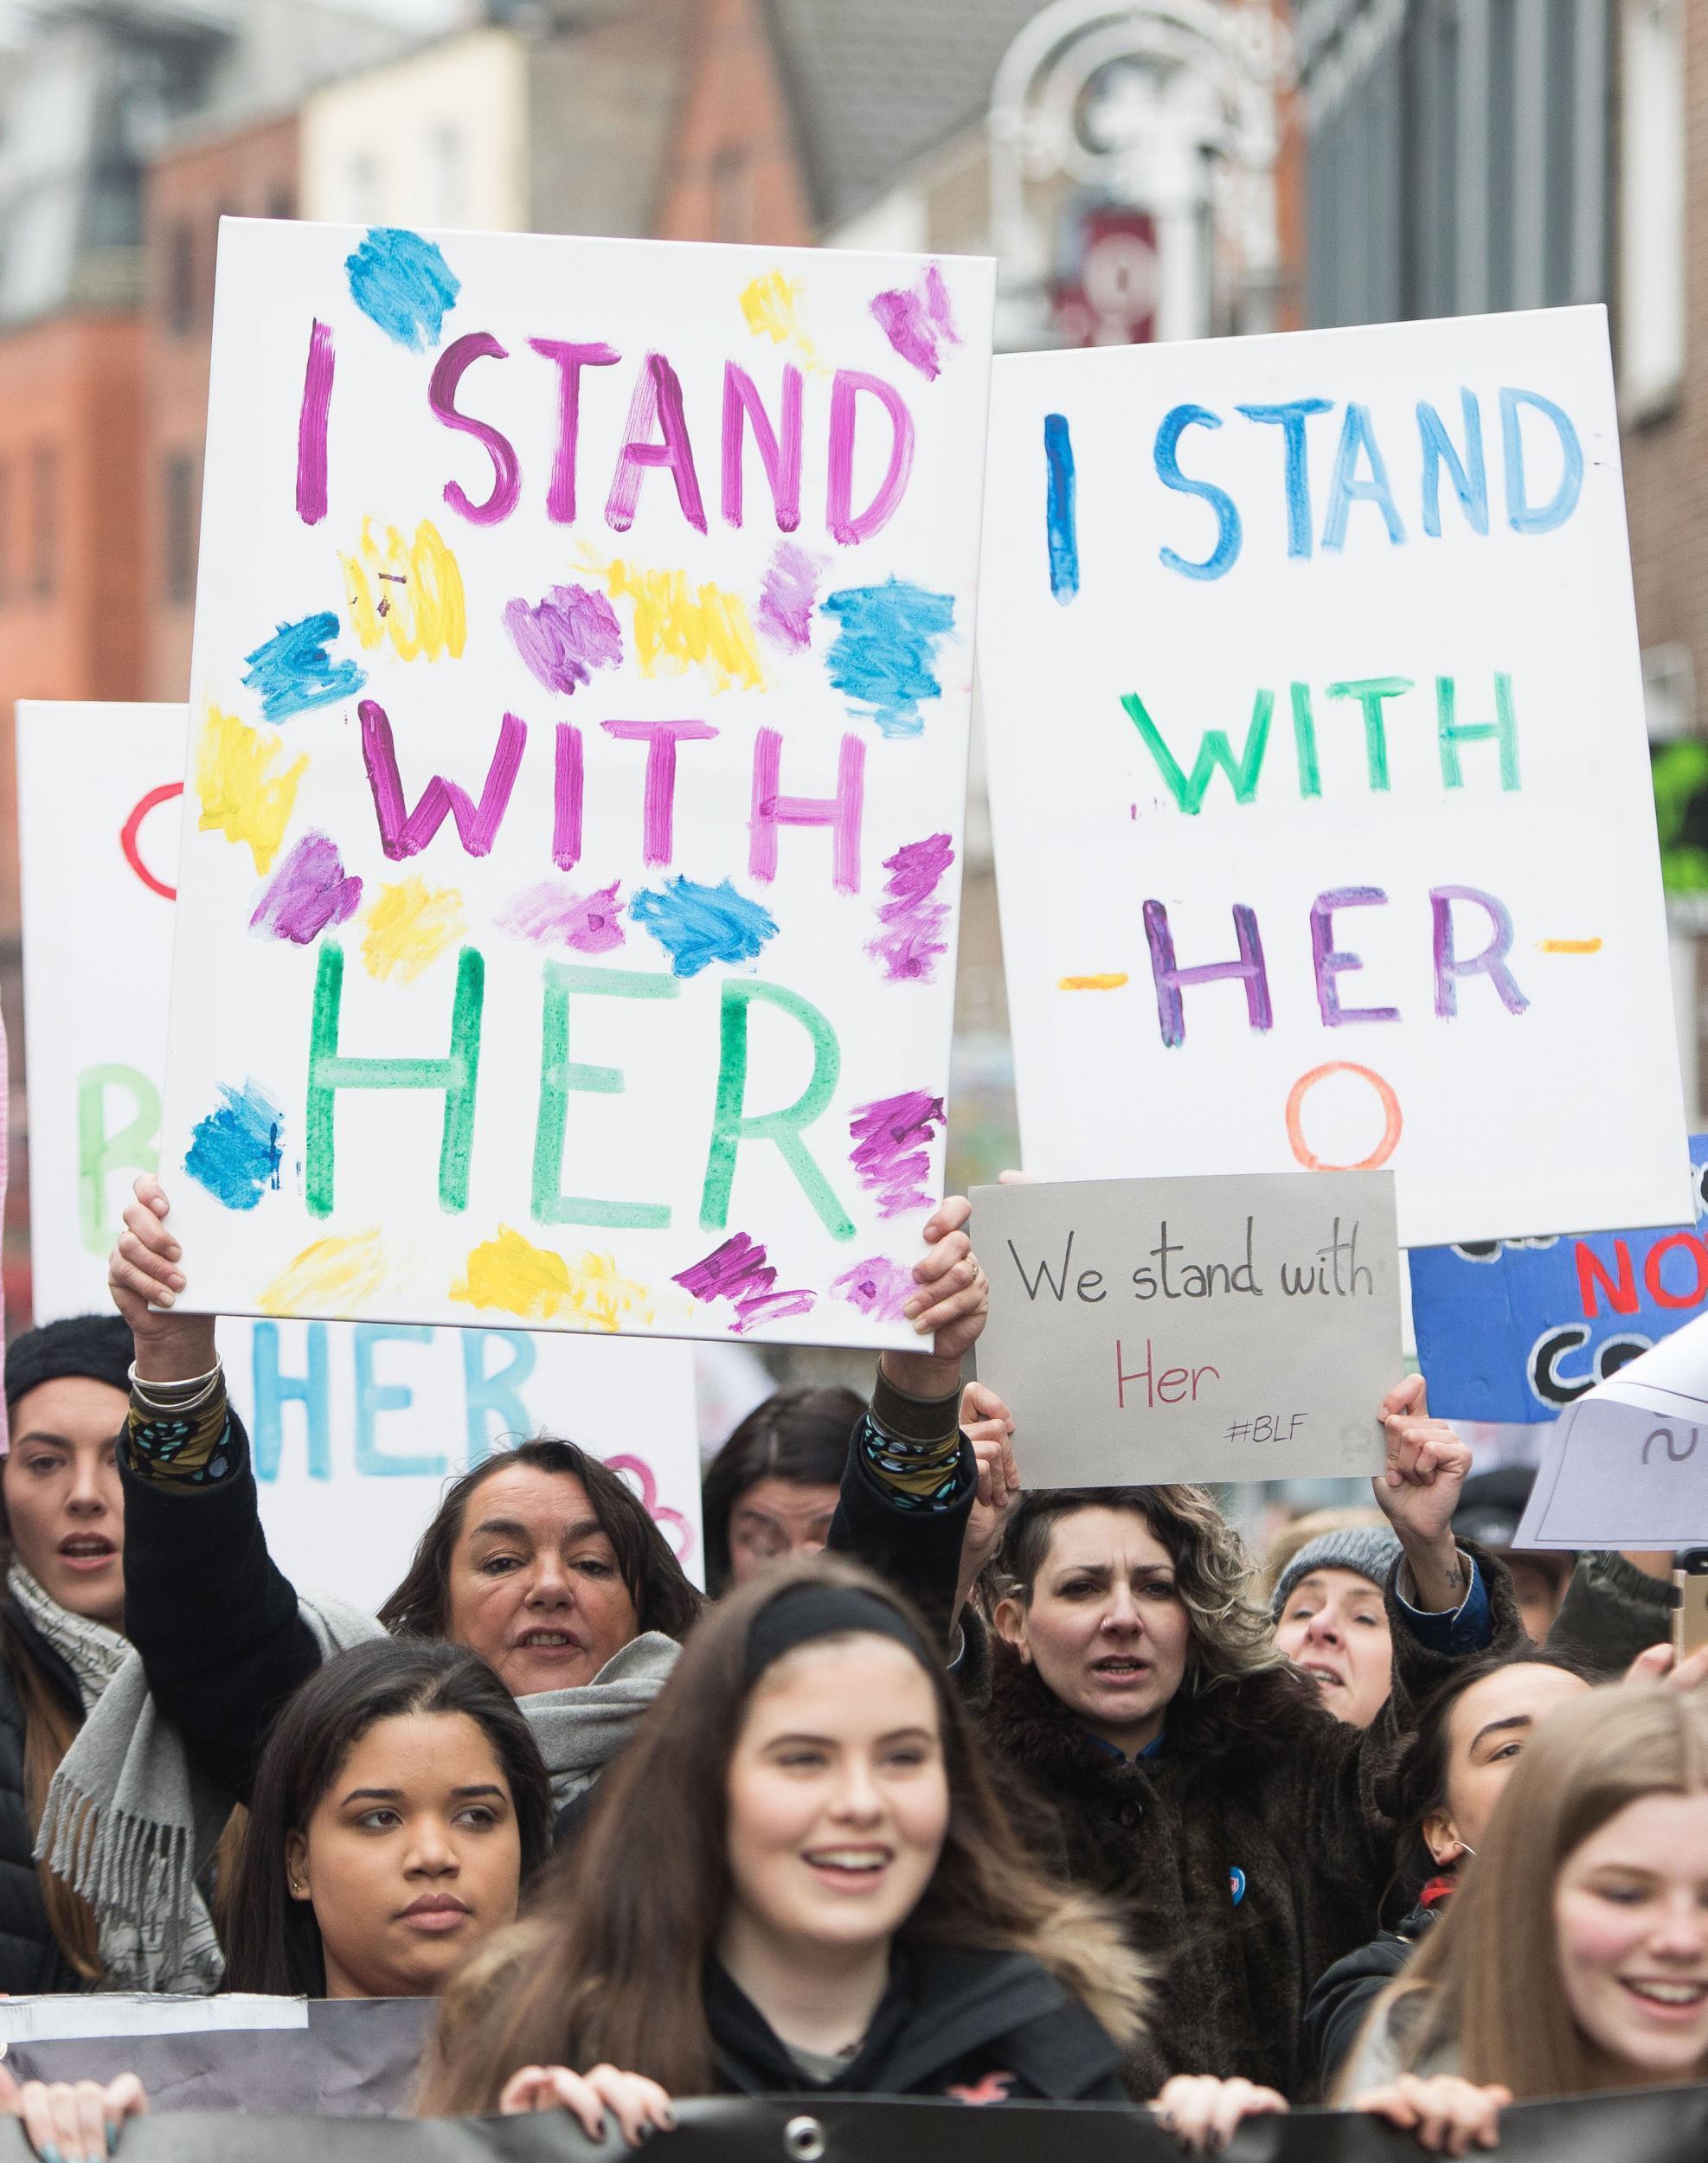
1240,1327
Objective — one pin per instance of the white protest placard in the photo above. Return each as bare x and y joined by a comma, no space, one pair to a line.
1321,788
355,1427
1626,1465
1143,1330
582,664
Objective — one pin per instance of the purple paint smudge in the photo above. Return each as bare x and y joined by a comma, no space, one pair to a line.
911,942
738,1272
891,1141
879,1287
573,631
591,923
306,893
919,322
785,612
312,425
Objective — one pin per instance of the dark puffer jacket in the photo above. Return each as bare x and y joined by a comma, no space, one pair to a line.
31,1958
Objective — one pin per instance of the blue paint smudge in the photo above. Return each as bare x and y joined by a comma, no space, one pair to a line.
293,671
697,925
884,653
235,1151
402,282
1061,521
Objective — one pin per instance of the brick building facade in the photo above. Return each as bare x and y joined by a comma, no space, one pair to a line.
250,172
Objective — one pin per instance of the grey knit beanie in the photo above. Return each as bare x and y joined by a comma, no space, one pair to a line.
1369,1550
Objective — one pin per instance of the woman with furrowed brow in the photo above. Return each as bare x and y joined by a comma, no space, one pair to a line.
1173,1761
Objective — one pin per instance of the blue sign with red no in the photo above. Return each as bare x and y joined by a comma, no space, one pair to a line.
1515,1330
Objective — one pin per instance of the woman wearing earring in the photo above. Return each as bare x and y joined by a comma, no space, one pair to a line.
1574,1956
1441,1791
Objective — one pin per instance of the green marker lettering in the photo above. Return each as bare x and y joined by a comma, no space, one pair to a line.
133,1148
1503,730
560,1076
329,1071
732,1124
1213,751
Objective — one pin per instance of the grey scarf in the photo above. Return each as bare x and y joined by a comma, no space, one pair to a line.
130,1822
93,1653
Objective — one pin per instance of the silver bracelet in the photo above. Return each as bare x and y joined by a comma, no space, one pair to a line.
201,1387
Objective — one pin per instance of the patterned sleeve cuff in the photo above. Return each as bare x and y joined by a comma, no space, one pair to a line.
912,1448
185,1445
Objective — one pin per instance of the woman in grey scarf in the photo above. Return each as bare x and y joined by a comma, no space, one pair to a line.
540,1560
61,1620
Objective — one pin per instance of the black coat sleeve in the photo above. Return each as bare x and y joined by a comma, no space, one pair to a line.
1611,1612
1340,2003
214,1617
918,1551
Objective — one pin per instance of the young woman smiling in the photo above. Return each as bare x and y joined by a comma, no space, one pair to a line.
1591,1884
797,1877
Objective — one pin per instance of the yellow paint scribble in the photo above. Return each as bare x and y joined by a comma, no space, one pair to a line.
1110,983
411,592
509,1273
1568,946
333,1276
409,926
771,304
675,623
248,792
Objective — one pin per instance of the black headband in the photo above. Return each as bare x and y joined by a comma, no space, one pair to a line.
802,1612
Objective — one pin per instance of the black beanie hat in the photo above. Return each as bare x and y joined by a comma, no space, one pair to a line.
98,1345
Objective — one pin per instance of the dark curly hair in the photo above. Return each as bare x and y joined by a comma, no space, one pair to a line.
1232,1636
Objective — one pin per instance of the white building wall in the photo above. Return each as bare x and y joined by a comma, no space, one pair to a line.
437,138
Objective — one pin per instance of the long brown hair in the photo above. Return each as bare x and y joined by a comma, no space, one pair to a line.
1588,1761
611,1968
663,1597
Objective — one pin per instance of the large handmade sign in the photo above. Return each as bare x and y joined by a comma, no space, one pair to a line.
355,1425
1323,827
1517,1330
583,663
1143,1330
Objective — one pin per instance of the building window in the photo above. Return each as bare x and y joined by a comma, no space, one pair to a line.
732,206
181,509
44,520
1652,205
180,276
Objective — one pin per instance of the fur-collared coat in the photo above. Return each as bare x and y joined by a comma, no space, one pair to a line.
1249,1854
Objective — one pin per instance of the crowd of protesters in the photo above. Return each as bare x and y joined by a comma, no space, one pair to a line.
950,1786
